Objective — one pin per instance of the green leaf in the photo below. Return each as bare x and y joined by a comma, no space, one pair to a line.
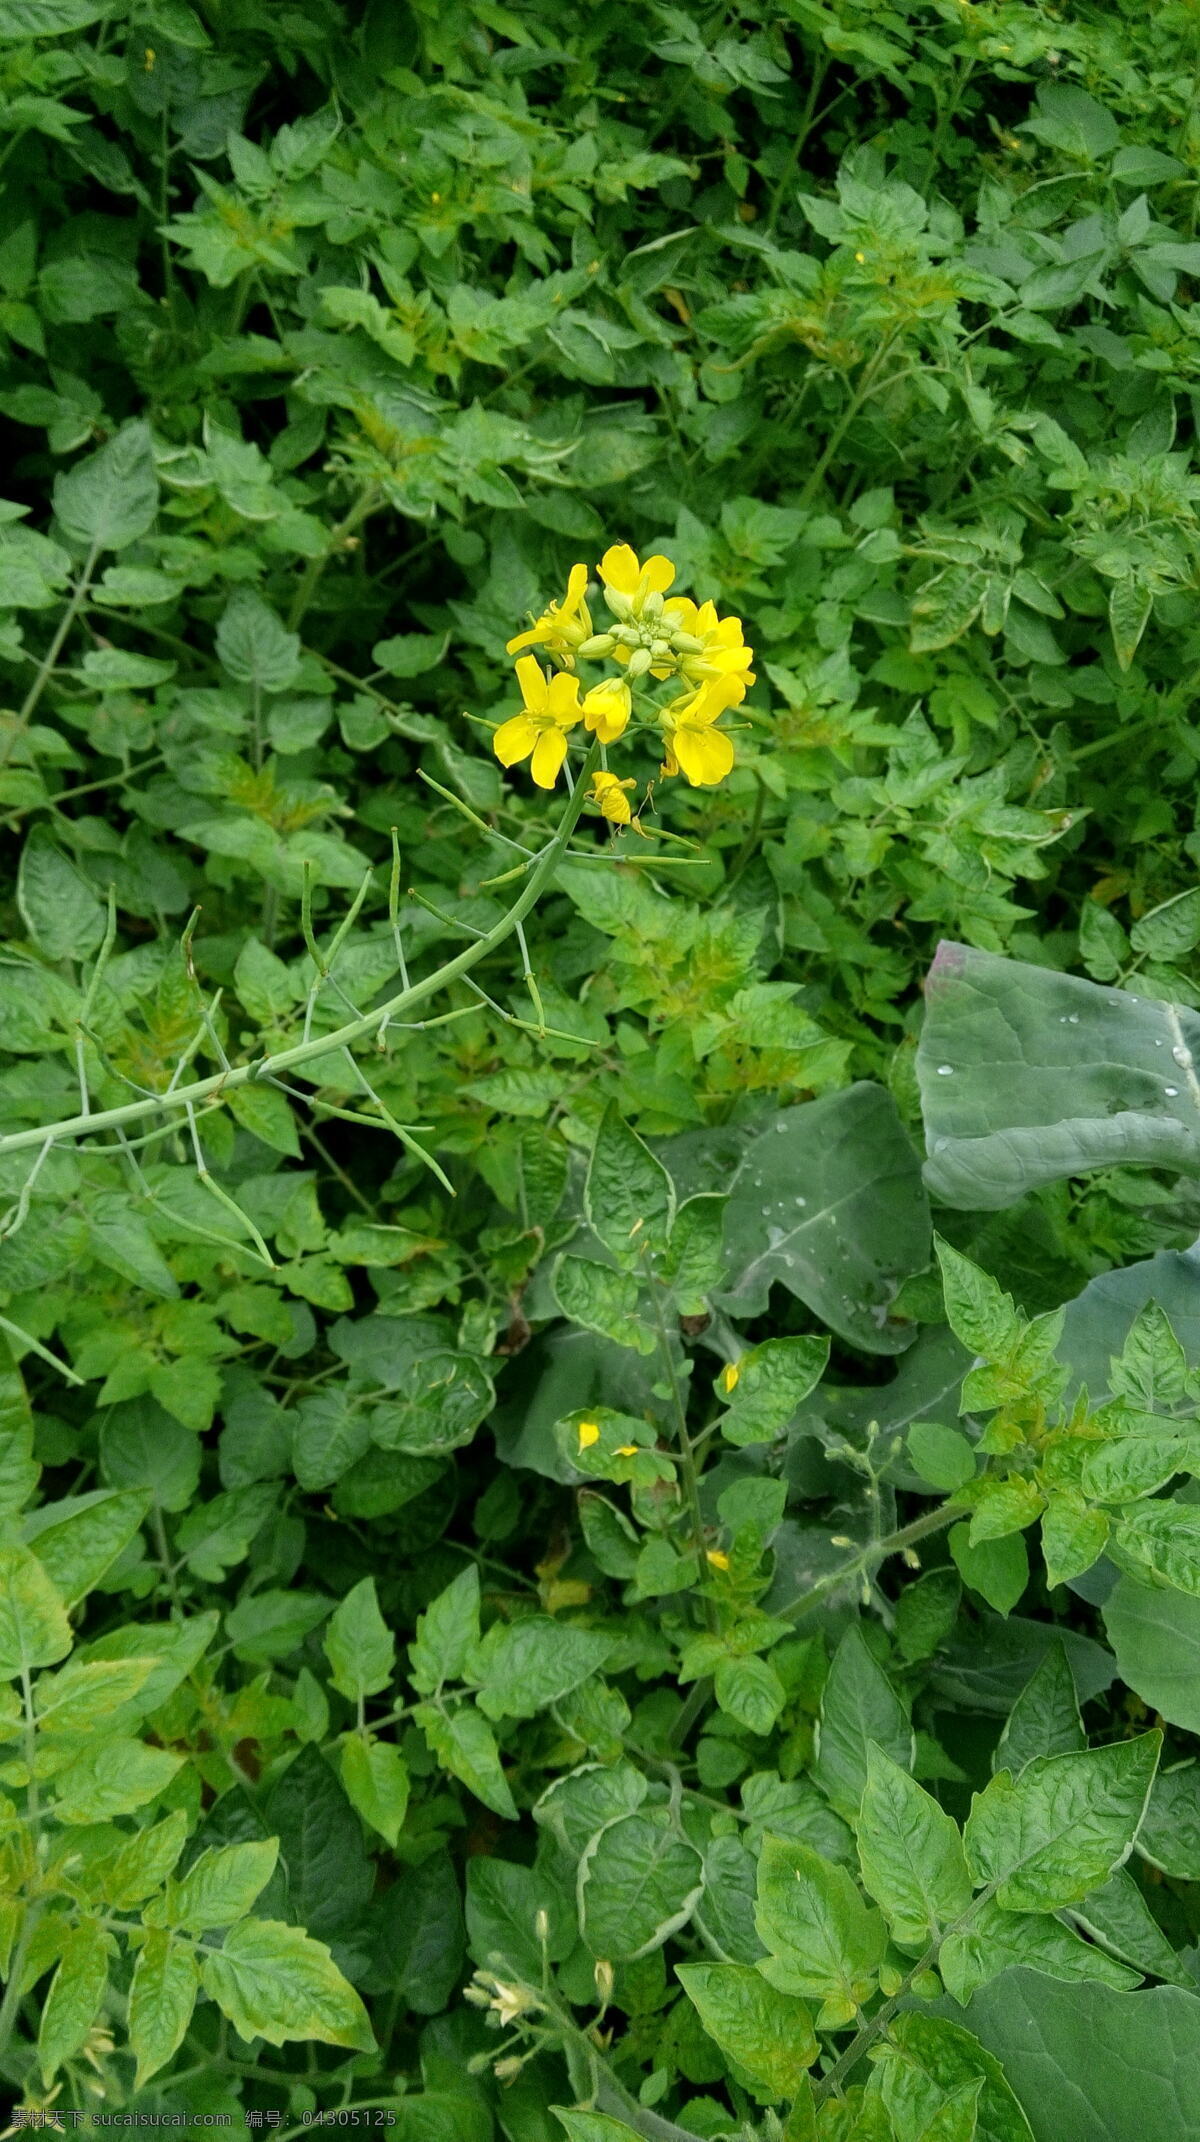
113,1777
1045,1719
78,1541
859,1709
60,910
359,1645
1170,930
76,1992
275,1982
911,1855
1119,1918
766,2036
271,1624
1156,1636
221,1885
1170,1833
376,1780
1087,2061
1028,1075
447,1632
82,1697
829,1203
161,1999
506,1904
523,1667
253,646
925,2060
997,1569
593,2127
1160,1540
942,1456
109,500
629,1198
1074,1535
465,1745
823,1941
639,1883
445,1398
770,1383
1059,1830
996,1940
694,1262
141,1865
750,1691
601,1300
34,1629
1129,605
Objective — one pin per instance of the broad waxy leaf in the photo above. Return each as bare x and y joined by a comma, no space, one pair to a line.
1028,1075
828,1202
1155,1633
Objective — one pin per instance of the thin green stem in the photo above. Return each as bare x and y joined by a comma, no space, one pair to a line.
877,1551
688,1468
213,1088
46,667
310,578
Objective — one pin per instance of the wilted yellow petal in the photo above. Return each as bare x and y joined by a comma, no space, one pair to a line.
715,1557
729,1376
589,1433
626,1450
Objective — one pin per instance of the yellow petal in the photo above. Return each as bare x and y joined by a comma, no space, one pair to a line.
533,638
562,699
606,709
729,1376
681,611
589,1433
657,574
577,580
716,1559
626,1450
514,739
532,683
619,568
706,755
548,754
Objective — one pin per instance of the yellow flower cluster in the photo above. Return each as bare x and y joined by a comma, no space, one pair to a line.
652,635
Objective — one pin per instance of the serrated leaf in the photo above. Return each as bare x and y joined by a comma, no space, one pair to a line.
161,1999
767,2036
375,1776
823,1942
34,1629
859,1709
275,1982
464,1744
76,1991
629,1198
221,1886
911,1855
359,1645
771,1382
639,1882
1059,1830
109,500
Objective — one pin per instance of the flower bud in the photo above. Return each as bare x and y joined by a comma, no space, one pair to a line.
601,643
639,661
661,650
604,1978
652,606
619,604
687,643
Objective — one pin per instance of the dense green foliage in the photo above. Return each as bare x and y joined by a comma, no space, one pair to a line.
598,1516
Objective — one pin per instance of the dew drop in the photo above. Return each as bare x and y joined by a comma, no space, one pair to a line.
1157,1042
1182,1056
1170,1092
945,1070
1074,1019
800,1201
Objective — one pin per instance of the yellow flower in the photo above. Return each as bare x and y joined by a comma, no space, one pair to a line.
562,628
717,1560
608,795
589,1433
711,646
606,709
729,1377
626,1450
550,710
694,747
628,582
